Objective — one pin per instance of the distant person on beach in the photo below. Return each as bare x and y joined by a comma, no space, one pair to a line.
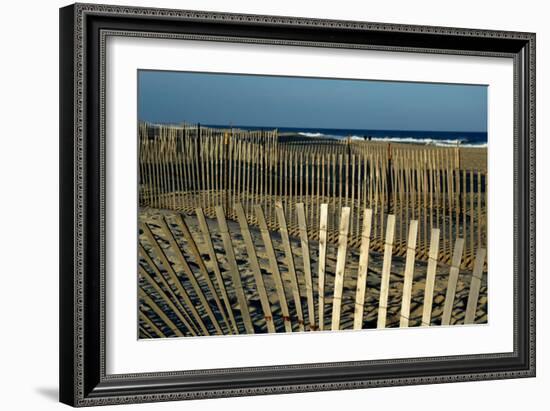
368,138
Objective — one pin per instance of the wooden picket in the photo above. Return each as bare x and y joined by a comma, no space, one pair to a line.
386,267
234,270
181,260
290,264
362,272
475,285
322,263
253,260
202,267
266,237
430,278
174,277
451,284
408,275
340,268
307,263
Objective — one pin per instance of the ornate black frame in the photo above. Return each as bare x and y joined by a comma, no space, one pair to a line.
83,30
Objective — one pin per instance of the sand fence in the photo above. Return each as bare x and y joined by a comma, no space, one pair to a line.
201,276
186,167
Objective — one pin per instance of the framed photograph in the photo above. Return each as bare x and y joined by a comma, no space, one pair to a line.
261,204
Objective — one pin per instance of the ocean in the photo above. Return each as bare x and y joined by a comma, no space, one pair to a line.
437,138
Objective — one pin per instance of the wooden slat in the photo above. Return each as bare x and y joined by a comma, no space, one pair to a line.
478,244
170,292
475,284
409,274
234,270
361,291
143,317
322,263
216,268
255,266
340,267
451,284
430,278
283,230
274,267
202,267
174,277
143,333
189,273
165,298
386,267
302,225
472,214
158,311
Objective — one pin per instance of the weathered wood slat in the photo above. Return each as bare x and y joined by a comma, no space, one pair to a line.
170,292
158,311
301,216
266,237
386,267
323,225
430,278
181,260
409,274
165,298
234,270
151,324
340,268
475,285
254,264
283,230
361,290
143,332
202,267
452,282
216,268
174,277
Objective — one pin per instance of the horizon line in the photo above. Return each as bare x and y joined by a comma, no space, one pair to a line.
312,128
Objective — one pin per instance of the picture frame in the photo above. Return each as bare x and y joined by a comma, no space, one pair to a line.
84,29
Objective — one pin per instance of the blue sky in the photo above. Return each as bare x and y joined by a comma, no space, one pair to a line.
265,101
